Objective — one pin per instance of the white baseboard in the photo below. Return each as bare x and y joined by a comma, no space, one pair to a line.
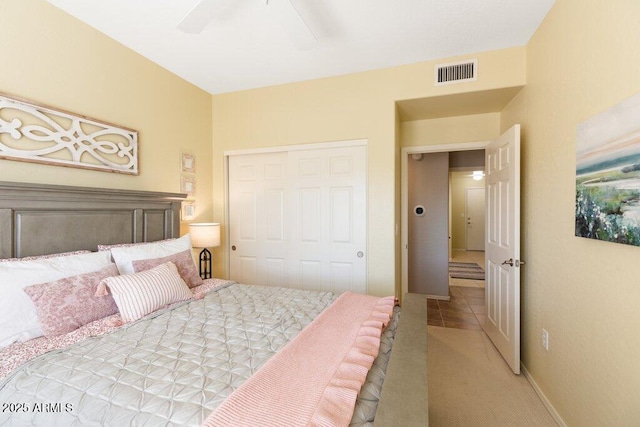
554,414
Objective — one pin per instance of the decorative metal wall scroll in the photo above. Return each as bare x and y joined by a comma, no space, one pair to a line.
34,133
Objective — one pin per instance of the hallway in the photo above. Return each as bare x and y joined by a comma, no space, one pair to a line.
466,307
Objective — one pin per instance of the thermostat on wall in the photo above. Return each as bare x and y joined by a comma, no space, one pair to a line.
419,210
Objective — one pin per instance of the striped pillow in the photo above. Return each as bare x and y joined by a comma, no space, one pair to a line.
139,294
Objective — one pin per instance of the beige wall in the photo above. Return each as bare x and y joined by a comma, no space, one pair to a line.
582,60
51,58
448,130
348,107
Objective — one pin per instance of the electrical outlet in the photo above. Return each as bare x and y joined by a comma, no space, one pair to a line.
545,339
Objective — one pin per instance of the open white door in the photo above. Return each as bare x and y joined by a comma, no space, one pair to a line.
502,250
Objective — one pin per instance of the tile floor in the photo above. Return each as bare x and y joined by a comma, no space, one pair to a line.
466,308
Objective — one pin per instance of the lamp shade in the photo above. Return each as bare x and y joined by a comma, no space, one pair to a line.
205,234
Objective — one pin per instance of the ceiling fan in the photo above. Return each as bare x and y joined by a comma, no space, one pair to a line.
292,22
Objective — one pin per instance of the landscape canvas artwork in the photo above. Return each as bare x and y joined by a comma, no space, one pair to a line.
608,175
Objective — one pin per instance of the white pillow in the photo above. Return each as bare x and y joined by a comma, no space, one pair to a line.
18,317
139,294
124,256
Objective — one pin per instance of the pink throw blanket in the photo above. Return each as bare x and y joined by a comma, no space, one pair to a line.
315,379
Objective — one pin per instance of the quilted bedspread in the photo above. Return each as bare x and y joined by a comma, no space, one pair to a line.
175,366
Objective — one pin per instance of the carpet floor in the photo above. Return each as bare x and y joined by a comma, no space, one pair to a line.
465,270
471,385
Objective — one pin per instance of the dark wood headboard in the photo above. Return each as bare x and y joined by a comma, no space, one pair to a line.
39,219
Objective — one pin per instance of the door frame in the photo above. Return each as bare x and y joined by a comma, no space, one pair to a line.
405,152
280,148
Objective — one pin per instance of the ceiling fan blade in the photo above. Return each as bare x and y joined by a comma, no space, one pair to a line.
198,18
292,22
296,28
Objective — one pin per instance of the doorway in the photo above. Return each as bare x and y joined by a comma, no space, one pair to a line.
461,302
502,245
474,216
456,154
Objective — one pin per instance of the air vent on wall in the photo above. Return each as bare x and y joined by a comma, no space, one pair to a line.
456,72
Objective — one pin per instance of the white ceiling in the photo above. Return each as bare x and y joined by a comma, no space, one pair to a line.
246,47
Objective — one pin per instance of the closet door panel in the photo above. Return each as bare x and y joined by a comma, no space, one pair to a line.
298,219
257,219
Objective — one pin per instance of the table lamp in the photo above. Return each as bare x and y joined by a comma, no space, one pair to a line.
205,235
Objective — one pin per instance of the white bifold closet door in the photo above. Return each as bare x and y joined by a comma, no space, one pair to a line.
298,218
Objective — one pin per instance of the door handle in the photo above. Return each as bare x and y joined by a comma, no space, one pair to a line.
233,248
360,254
511,262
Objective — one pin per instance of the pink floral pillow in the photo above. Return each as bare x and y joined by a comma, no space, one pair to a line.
183,261
67,304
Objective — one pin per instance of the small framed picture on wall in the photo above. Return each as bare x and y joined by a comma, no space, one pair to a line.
188,210
188,162
188,185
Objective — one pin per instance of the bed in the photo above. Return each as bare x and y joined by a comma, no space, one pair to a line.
191,358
